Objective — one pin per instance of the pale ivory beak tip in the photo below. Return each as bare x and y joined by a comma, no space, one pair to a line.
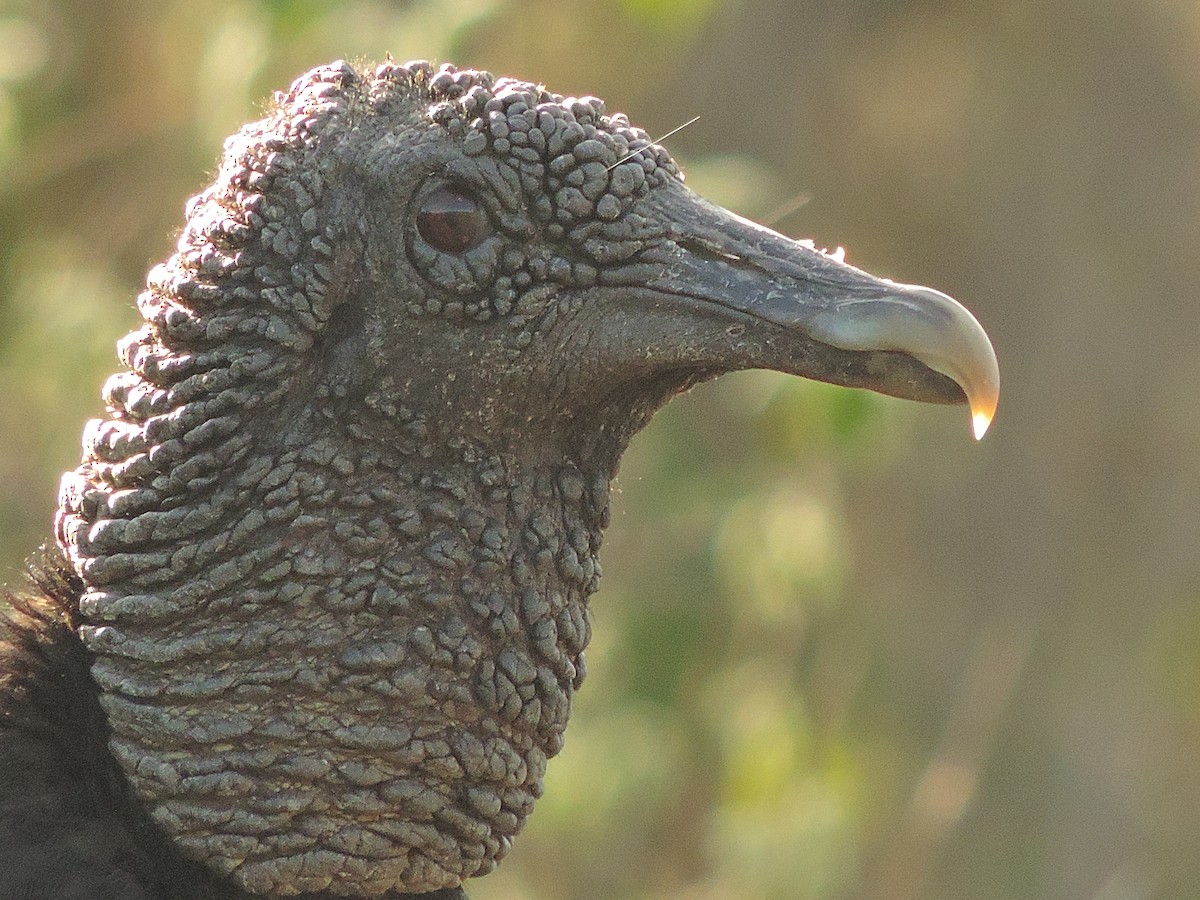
980,421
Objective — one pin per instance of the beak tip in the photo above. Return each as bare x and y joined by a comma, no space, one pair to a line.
983,394
980,420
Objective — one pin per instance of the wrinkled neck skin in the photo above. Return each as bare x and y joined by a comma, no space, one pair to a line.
342,666
337,601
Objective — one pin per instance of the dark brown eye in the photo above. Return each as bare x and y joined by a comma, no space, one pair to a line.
452,221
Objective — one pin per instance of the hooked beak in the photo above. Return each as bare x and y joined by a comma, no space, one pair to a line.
818,317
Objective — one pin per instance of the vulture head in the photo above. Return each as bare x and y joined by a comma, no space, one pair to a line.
334,538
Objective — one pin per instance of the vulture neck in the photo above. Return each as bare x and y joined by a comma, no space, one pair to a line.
373,654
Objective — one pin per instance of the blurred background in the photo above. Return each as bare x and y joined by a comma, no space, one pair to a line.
841,650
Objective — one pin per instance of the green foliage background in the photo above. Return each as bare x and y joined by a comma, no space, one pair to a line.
841,651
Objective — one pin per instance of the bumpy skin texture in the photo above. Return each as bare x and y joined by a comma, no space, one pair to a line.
70,827
320,606
336,633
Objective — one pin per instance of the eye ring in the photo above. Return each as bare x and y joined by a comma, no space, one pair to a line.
452,219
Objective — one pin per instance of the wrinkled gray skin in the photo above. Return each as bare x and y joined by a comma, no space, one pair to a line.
338,529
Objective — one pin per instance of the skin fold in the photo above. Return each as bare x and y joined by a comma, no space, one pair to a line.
318,601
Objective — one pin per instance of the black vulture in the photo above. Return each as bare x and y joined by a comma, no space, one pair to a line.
316,606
